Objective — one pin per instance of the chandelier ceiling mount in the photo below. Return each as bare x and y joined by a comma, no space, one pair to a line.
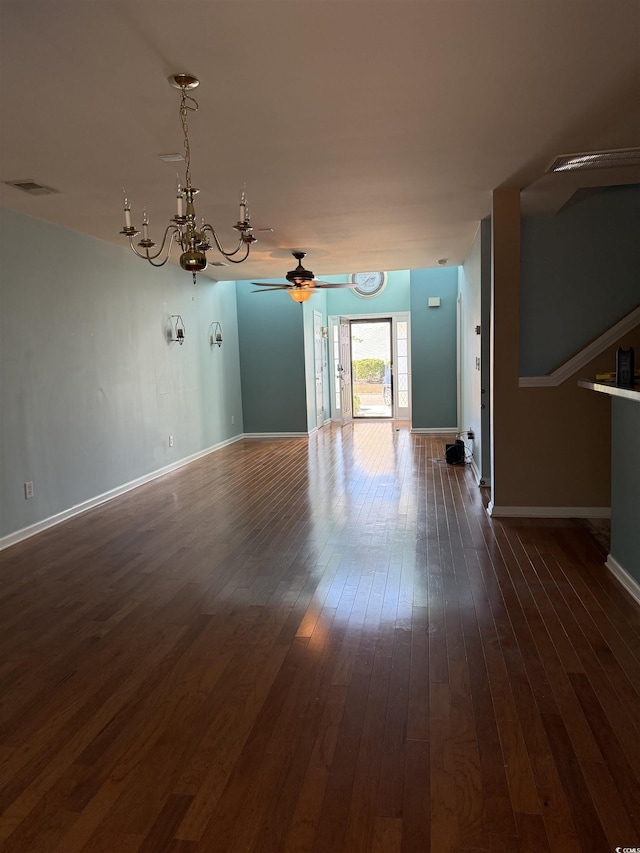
183,81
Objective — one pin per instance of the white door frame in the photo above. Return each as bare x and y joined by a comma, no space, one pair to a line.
395,317
319,358
344,368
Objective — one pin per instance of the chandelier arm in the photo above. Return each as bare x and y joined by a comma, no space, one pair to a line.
227,255
159,263
170,232
233,260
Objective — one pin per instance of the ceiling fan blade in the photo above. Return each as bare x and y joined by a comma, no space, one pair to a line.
268,284
328,284
267,289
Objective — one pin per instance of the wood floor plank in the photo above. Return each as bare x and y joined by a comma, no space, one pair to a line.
468,773
334,818
415,824
625,775
368,777
316,645
531,834
445,831
392,770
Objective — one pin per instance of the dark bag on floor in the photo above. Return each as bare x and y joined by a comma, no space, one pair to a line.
454,453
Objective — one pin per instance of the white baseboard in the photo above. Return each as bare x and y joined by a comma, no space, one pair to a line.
623,577
548,511
78,509
480,480
434,430
253,435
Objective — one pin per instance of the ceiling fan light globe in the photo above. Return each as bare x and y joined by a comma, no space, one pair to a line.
299,294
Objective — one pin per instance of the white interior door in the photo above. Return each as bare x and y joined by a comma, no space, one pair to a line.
344,370
319,351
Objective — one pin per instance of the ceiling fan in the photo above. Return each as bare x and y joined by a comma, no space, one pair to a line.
301,282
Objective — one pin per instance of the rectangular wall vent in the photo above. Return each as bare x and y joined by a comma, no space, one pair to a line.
32,187
596,160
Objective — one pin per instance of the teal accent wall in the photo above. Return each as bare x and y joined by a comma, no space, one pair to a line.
91,389
394,298
434,348
276,331
272,360
580,274
625,485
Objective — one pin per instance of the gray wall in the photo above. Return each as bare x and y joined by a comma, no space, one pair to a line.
580,274
625,485
90,387
434,349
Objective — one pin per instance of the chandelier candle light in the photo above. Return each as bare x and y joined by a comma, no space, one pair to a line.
195,242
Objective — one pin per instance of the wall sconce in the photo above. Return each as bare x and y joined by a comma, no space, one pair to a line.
215,335
176,332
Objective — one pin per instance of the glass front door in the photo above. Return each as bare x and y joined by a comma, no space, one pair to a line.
371,368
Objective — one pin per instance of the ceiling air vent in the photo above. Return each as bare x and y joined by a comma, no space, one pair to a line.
27,185
596,160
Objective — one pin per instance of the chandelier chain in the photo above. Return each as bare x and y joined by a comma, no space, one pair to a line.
184,109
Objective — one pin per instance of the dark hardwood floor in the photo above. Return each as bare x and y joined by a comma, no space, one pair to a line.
319,645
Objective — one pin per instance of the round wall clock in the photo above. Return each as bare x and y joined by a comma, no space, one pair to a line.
368,284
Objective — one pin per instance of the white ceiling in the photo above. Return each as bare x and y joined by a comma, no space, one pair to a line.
370,134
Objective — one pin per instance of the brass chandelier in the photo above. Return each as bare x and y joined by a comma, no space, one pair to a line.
195,241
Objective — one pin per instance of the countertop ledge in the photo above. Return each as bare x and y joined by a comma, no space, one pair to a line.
611,389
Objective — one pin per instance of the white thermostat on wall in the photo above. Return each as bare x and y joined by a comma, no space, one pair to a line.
434,302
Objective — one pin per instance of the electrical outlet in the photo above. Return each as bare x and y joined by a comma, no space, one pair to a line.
28,491
233,419
170,441
471,434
